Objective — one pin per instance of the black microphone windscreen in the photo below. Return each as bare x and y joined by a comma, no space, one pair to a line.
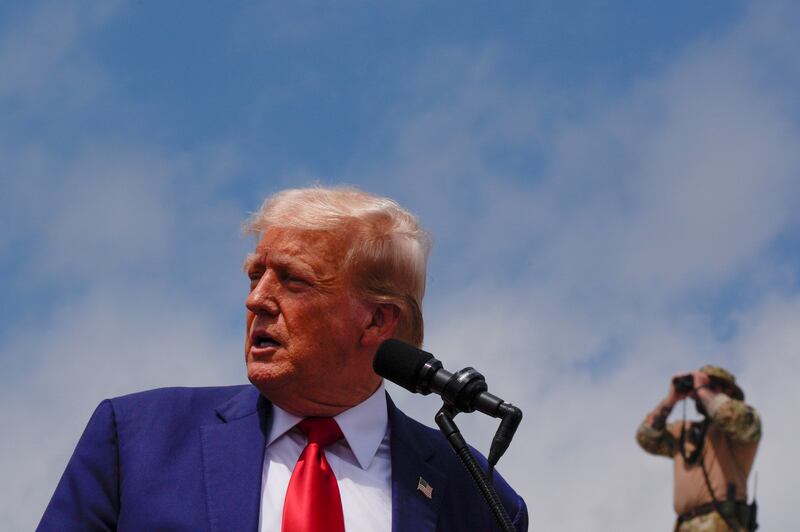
400,363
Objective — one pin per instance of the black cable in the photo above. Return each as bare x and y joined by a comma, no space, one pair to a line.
444,419
489,494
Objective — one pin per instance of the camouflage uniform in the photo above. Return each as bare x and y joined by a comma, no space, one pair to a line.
712,522
729,449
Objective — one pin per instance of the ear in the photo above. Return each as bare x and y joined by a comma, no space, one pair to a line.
382,326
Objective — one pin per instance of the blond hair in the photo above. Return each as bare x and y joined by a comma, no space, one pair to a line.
388,253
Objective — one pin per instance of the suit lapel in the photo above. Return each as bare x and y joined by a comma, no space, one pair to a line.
233,456
412,455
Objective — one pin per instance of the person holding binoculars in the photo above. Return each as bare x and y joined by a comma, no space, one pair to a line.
713,456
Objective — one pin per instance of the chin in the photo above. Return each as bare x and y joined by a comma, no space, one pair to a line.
263,375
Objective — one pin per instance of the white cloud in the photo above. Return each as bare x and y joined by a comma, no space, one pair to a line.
769,349
649,205
110,207
674,189
40,55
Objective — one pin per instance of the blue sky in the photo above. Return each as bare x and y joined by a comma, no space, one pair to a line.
612,189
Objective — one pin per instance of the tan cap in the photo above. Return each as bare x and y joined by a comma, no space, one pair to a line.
724,375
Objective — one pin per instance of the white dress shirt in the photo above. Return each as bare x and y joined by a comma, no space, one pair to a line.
361,462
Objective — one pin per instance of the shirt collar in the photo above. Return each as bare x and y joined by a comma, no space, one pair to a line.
363,425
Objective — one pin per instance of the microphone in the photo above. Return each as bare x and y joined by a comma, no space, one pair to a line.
466,390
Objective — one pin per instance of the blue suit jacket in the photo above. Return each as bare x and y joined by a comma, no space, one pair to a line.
191,459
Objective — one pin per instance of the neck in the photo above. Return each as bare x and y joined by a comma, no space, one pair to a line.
321,406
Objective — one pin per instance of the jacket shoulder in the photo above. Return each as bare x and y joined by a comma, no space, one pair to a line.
181,394
183,405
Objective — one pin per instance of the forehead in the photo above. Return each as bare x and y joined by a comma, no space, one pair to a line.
320,250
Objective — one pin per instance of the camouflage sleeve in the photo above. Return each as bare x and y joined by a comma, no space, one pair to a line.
737,419
656,440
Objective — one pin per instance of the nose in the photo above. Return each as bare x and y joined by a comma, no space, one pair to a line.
262,298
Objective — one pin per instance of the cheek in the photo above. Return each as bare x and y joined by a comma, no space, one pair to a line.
324,324
249,317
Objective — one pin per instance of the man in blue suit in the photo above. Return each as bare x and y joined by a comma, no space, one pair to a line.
334,274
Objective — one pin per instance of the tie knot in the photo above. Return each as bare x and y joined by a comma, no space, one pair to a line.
321,430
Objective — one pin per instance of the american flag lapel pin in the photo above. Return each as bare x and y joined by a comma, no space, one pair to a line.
425,488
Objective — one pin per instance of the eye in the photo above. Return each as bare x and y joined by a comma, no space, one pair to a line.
294,280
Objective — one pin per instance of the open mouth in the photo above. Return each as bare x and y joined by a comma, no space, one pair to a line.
263,341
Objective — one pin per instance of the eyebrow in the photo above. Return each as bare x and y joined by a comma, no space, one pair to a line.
248,261
285,261
281,260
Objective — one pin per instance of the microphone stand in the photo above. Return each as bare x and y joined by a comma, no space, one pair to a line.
444,418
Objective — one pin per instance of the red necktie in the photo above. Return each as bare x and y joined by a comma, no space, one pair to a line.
312,499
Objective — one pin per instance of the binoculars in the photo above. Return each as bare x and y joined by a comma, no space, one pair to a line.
683,383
